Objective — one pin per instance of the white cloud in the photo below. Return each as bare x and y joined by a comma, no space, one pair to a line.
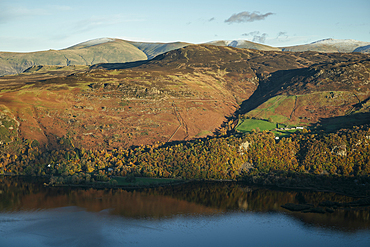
256,36
282,35
246,16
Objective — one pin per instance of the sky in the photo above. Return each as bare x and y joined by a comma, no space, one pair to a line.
36,25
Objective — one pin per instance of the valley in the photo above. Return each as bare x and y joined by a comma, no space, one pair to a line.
198,123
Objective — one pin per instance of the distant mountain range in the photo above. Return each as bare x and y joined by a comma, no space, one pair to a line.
332,45
109,50
244,44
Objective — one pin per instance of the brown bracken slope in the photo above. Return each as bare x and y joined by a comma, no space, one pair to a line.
179,95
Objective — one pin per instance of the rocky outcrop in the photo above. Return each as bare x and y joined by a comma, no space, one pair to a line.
340,150
244,147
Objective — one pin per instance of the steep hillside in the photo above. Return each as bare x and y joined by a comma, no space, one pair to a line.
179,95
308,95
113,108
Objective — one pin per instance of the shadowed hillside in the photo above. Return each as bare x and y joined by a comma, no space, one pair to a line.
153,49
304,96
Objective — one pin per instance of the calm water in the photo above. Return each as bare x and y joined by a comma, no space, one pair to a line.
202,214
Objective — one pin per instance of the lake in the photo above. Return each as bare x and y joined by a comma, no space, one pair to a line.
194,214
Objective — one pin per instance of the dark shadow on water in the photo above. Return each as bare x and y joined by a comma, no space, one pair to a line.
198,198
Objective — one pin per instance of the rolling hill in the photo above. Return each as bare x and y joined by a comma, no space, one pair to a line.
82,54
191,92
109,50
105,50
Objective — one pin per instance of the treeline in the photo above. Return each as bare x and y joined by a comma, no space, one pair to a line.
224,196
345,153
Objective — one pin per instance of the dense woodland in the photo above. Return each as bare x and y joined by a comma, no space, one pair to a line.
345,153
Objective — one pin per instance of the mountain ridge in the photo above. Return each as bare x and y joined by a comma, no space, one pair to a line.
114,50
329,45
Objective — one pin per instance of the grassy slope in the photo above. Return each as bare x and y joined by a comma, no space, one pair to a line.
306,96
247,125
305,109
117,51
113,52
250,125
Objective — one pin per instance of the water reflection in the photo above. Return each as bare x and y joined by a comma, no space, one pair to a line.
69,226
73,226
20,194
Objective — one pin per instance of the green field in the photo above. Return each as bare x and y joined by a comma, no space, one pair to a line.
247,125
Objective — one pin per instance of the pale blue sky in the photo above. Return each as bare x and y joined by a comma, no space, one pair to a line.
27,25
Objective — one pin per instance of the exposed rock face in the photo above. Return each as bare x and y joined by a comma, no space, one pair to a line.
246,167
8,127
244,147
340,150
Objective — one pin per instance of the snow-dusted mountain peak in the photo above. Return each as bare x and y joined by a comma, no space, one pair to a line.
331,41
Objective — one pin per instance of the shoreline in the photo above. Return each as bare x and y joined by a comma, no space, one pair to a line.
360,202
315,186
